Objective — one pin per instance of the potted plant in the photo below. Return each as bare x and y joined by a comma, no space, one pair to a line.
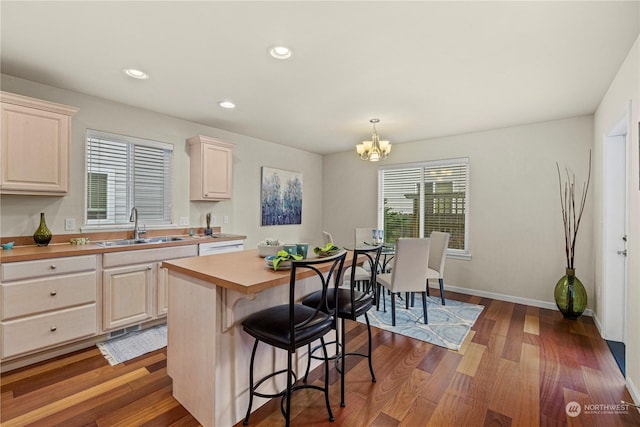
569,293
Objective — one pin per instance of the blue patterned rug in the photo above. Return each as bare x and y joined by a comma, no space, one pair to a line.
448,325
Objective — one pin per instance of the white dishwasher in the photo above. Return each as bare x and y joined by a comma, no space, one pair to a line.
219,247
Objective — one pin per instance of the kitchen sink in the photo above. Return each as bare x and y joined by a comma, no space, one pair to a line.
167,239
129,242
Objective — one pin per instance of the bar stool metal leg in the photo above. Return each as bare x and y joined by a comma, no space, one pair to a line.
251,389
373,376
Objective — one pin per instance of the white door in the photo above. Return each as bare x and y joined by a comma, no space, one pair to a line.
615,219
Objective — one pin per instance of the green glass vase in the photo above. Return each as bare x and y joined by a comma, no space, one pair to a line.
570,295
43,235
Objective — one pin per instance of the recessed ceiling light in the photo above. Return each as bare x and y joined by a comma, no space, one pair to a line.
280,52
136,74
227,104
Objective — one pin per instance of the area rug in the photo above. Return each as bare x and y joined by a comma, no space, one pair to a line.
448,325
133,344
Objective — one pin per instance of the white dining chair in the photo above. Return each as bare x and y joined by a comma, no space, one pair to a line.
409,273
439,243
363,235
328,238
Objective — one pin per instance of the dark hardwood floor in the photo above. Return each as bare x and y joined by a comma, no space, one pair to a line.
520,366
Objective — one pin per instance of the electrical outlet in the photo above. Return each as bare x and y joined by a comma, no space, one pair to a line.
214,219
69,224
184,220
226,219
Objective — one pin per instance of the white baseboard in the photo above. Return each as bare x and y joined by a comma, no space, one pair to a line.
508,298
596,320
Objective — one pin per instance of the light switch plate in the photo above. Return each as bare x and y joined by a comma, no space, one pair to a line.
69,224
184,220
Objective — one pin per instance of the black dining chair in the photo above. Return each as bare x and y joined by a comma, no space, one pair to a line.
293,325
351,304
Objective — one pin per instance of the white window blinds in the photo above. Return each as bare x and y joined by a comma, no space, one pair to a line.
123,172
416,199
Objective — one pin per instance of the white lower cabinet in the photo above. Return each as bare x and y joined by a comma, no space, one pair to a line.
47,330
162,291
54,302
134,286
127,295
45,303
162,296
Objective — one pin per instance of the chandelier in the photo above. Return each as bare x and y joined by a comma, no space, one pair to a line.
375,149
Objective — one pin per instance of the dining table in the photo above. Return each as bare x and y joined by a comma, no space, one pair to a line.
387,254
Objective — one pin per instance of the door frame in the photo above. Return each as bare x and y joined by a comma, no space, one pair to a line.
611,306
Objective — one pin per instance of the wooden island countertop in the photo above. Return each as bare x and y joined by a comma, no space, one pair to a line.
208,351
244,271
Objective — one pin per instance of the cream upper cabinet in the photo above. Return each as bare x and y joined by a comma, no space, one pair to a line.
34,155
211,168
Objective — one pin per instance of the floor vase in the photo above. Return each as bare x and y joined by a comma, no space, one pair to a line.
570,295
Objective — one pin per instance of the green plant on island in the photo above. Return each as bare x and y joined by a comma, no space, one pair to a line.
284,256
328,249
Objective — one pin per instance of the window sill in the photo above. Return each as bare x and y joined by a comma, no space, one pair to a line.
465,256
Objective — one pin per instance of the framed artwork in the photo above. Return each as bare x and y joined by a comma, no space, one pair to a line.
281,197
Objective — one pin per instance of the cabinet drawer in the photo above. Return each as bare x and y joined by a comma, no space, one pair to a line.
25,298
38,332
114,259
47,267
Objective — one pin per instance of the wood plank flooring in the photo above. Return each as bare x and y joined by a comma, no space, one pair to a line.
519,366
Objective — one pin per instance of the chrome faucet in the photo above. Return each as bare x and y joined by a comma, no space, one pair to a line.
134,218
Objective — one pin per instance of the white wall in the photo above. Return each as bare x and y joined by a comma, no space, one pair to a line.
624,89
516,236
20,214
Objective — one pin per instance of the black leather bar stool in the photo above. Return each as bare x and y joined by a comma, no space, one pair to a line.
293,325
351,303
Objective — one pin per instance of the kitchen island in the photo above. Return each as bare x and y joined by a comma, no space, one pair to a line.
207,351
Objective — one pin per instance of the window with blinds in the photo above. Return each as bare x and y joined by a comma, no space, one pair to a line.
416,199
123,172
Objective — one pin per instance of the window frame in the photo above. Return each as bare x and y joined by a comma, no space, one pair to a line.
167,182
459,161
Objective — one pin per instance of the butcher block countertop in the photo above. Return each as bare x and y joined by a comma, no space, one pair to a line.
58,250
244,271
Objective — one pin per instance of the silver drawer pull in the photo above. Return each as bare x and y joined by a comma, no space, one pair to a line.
52,266
53,293
53,329
150,267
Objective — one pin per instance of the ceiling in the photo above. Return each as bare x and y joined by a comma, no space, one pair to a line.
425,69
